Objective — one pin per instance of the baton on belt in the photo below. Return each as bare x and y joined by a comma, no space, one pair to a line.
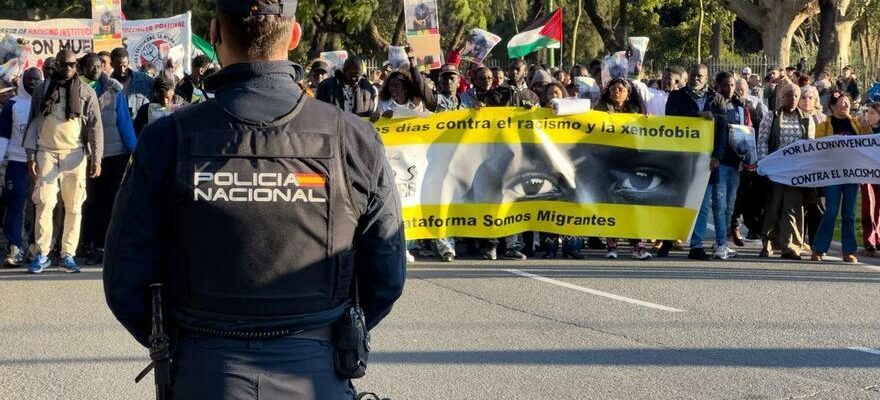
160,347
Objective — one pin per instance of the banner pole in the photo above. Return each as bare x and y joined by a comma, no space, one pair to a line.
551,53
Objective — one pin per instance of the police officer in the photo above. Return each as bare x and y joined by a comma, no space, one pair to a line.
261,211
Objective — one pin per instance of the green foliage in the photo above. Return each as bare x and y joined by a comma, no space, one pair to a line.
672,25
32,10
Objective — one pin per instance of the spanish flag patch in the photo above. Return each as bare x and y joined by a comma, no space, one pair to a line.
310,180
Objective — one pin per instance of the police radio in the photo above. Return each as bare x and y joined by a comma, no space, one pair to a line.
351,340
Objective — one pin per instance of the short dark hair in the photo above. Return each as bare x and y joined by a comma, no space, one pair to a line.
118,53
200,60
722,76
104,54
88,57
162,83
836,96
255,35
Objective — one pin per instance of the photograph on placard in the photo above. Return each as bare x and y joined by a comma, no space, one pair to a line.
421,17
478,44
426,50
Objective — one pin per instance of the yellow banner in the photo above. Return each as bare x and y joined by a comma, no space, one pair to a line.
515,125
496,220
500,171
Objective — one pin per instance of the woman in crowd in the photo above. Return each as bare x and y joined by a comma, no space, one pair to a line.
620,97
784,211
164,102
400,92
871,193
814,205
839,196
810,104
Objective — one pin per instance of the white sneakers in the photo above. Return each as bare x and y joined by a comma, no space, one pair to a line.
723,253
641,253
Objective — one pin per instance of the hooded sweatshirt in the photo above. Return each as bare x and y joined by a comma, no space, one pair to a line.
13,122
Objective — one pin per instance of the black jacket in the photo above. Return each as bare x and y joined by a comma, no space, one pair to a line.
365,95
137,247
681,103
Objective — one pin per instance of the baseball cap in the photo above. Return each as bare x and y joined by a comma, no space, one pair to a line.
319,65
447,69
284,8
542,77
747,71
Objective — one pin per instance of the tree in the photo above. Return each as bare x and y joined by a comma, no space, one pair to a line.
836,21
776,20
613,38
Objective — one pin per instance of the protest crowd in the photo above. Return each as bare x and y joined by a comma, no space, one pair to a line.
68,129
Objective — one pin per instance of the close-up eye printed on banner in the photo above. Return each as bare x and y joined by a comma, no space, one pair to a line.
499,171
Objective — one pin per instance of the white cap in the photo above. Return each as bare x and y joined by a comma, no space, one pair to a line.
747,71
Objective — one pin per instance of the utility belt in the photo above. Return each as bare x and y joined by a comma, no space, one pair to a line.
349,336
324,333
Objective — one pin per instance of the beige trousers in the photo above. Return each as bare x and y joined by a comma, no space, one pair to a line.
69,170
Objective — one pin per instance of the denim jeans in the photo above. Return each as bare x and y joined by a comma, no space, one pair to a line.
838,196
445,245
719,198
16,196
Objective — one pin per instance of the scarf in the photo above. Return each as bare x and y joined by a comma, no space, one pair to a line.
74,105
697,95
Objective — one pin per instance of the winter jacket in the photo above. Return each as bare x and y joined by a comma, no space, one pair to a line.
92,131
119,136
13,123
365,95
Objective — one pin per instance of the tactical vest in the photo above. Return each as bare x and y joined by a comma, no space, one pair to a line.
264,221
113,145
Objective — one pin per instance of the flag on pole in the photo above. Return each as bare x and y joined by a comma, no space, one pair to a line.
544,32
202,46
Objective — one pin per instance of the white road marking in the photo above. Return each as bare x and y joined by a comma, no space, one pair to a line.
865,350
593,291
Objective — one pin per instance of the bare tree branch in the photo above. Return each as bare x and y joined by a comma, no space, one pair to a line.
606,32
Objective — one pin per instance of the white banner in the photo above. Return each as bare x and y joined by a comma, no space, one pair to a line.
150,40
147,40
828,161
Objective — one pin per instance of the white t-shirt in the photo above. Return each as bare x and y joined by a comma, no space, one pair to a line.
391,105
655,99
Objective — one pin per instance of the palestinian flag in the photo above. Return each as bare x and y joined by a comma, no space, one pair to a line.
545,31
201,46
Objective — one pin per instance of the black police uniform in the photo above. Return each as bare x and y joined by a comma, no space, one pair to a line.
255,209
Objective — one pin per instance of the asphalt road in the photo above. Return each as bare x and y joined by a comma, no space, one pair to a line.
747,328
